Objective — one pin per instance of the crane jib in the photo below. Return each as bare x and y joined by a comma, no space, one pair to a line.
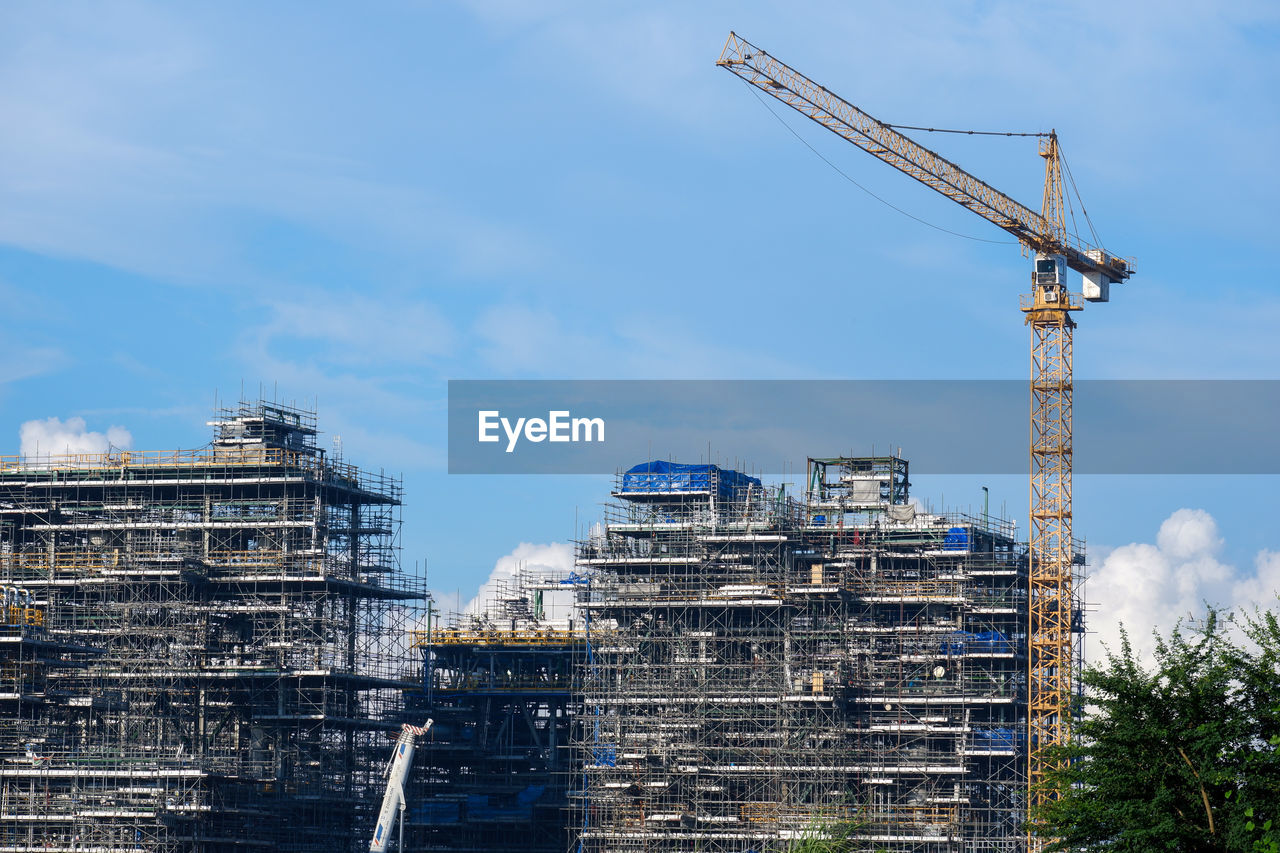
905,154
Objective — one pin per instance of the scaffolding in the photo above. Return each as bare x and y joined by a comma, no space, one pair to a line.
224,644
764,669
494,772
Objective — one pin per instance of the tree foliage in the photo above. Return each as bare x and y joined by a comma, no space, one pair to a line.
1178,756
819,837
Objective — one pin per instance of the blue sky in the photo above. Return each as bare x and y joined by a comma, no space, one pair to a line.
351,208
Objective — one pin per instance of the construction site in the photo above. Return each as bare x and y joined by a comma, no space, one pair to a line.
210,650
217,650
204,650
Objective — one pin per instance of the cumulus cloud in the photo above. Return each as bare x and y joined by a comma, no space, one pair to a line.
54,436
530,561
1262,587
1189,534
1147,587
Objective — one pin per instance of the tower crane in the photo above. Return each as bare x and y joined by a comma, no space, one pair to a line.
1048,311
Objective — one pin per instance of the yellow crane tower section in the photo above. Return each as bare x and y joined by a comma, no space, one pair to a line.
1047,309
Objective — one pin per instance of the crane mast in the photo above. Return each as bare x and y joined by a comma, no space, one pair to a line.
1048,309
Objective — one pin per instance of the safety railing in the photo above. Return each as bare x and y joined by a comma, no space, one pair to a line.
262,456
108,558
119,462
504,683
497,637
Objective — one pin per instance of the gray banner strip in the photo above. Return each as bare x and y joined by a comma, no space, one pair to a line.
771,426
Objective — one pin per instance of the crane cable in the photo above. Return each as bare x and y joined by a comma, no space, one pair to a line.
845,175
966,132
1097,241
1066,166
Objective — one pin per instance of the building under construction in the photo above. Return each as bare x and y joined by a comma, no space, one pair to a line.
494,773
208,648
763,669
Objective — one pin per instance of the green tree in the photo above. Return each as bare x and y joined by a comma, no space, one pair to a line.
1258,666
1177,756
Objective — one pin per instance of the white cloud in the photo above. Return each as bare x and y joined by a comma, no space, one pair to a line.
520,341
676,46
447,603
1189,534
1148,587
362,328
22,362
530,561
1261,589
54,436
148,137
520,338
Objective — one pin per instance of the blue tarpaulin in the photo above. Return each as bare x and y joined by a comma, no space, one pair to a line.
659,476
982,642
530,794
482,807
997,738
431,813
957,539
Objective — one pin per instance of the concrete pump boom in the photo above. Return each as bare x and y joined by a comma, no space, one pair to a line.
393,800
